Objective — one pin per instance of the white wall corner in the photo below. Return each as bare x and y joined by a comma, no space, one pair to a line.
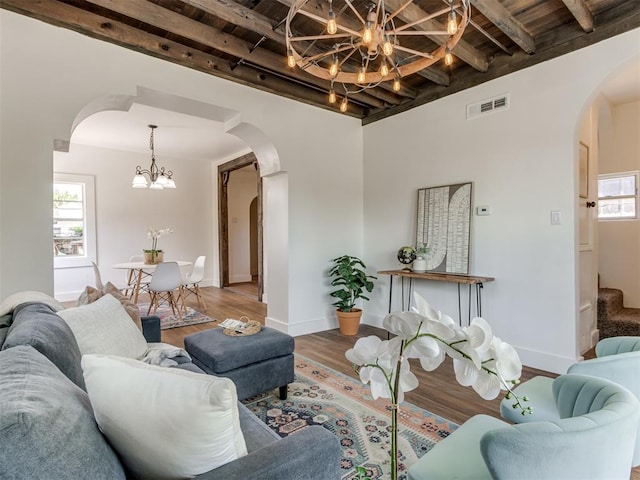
545,361
302,328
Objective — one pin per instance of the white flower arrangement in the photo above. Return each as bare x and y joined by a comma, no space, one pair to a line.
480,360
154,235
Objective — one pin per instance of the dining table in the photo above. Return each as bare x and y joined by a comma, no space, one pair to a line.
138,270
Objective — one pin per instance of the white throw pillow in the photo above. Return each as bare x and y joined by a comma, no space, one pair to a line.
165,423
105,327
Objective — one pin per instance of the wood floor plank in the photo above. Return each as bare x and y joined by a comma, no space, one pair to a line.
437,392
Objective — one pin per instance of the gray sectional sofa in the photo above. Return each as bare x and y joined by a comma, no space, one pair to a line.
47,427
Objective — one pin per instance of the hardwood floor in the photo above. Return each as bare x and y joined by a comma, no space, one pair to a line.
438,391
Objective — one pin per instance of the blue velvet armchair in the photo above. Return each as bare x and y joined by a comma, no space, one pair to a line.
594,439
617,359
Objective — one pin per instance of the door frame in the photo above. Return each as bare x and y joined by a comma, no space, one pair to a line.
224,171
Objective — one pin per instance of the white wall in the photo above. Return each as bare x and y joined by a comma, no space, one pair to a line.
619,263
124,213
50,74
242,189
523,164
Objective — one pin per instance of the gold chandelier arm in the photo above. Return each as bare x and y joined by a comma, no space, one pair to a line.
323,22
322,55
355,12
398,11
421,32
319,37
413,52
424,19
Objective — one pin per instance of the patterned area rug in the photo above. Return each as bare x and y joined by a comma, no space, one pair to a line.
343,405
169,320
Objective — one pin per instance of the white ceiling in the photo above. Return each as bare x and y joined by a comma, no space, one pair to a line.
177,136
187,137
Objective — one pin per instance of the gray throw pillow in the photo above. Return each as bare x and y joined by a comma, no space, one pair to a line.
47,427
36,324
5,323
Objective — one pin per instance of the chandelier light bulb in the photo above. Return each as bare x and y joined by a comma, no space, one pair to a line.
396,84
332,96
387,47
333,69
448,58
361,75
343,105
291,61
384,69
452,24
332,26
367,34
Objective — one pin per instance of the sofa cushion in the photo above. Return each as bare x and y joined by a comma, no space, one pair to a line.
92,294
36,324
104,327
165,423
12,301
47,428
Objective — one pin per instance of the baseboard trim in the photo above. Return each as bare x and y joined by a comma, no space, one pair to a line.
302,328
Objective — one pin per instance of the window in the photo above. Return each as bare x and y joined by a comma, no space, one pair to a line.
618,196
73,220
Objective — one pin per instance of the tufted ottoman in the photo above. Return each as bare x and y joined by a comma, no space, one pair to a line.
255,363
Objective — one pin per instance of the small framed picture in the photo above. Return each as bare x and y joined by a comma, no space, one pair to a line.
584,171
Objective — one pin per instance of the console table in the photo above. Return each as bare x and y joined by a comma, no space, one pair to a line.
469,280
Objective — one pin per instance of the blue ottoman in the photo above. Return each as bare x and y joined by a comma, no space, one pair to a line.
256,363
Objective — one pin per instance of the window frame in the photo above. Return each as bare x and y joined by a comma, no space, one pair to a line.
89,216
636,196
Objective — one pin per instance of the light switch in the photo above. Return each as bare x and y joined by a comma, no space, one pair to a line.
555,217
483,210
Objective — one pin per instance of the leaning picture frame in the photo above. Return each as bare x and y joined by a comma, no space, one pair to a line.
583,171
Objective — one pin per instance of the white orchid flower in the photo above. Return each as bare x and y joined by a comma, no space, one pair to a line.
364,351
507,361
403,324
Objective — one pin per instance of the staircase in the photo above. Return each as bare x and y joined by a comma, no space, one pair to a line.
613,319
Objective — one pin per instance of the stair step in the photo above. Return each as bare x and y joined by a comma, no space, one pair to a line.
613,319
610,299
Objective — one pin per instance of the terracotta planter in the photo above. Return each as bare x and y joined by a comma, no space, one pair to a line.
349,321
152,257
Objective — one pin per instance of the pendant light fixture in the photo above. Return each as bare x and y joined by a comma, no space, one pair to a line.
159,178
363,43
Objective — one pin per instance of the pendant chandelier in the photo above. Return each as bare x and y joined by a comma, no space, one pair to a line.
363,43
159,178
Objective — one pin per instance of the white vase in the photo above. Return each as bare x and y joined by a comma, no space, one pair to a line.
419,265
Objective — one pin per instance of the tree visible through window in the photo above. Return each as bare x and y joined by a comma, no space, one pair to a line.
68,219
618,196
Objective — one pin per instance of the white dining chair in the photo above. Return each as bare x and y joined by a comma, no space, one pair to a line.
132,277
165,281
190,285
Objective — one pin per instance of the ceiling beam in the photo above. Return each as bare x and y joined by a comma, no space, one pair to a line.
581,13
170,21
465,52
626,17
500,17
103,28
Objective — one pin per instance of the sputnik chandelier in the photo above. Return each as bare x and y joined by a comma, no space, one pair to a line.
365,43
159,178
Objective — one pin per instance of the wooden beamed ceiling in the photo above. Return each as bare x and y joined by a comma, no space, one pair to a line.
244,40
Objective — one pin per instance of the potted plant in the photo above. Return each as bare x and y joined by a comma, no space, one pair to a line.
420,263
348,274
153,256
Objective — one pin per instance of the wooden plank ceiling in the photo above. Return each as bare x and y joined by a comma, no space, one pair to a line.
244,40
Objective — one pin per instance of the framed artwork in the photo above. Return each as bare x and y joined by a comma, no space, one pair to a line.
443,225
583,171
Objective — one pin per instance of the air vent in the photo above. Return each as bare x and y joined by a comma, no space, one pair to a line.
485,107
